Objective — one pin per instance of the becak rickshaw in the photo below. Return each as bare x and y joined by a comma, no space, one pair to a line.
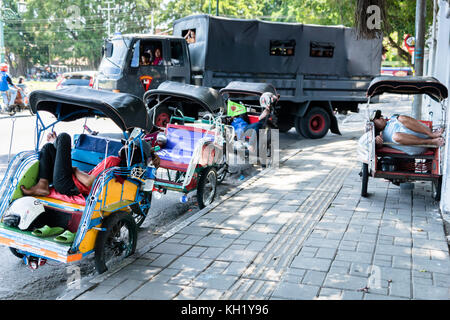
397,162
68,228
193,142
251,111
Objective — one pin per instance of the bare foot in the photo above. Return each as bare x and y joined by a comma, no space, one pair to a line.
438,141
40,189
437,133
51,137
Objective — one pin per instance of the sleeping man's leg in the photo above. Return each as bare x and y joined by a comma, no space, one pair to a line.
409,139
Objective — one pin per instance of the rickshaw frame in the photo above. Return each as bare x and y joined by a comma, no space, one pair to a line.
429,166
126,111
191,177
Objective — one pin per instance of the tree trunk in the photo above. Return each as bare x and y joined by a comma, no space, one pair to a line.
22,65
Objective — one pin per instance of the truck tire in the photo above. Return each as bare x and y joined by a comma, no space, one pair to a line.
316,123
298,127
284,125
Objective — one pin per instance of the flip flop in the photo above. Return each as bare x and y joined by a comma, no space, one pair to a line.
46,231
66,237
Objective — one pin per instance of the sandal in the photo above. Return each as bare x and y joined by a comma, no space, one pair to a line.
46,231
66,237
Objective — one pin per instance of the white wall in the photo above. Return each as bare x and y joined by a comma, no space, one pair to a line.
442,73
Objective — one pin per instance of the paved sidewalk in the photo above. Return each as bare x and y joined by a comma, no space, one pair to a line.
299,232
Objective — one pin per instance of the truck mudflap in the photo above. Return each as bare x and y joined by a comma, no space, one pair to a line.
334,128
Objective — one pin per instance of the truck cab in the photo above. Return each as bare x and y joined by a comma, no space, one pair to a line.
123,68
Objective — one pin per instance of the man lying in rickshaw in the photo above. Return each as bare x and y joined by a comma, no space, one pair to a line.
405,133
55,167
242,124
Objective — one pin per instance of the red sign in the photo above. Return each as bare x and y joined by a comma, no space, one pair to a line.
409,42
146,82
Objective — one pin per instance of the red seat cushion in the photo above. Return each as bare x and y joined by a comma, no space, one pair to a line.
395,151
171,165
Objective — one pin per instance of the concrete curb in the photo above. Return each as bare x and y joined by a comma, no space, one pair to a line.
172,228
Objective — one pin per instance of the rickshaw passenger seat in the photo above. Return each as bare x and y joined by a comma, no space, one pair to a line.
180,146
89,150
386,150
253,119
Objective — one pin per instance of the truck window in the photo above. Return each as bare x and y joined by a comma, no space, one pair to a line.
114,63
176,53
321,49
151,53
136,54
282,47
189,35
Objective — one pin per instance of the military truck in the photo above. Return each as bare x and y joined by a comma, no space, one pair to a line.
317,70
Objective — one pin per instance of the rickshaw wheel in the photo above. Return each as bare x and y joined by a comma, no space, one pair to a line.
222,173
265,159
117,242
162,116
436,189
365,179
16,253
207,187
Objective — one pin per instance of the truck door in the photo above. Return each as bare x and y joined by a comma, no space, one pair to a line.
148,68
178,65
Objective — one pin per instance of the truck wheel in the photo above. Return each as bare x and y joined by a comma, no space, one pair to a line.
117,242
316,123
365,179
284,125
207,187
298,127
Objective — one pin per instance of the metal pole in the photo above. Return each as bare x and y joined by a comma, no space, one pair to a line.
433,39
2,39
109,19
217,7
419,53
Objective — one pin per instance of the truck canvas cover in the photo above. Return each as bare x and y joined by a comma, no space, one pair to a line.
236,45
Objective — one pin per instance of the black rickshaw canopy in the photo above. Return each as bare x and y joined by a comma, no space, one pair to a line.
208,98
242,88
408,85
73,103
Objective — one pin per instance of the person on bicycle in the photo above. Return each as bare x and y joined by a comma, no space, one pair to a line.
405,133
242,124
7,88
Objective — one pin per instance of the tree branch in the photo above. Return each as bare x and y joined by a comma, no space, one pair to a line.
404,55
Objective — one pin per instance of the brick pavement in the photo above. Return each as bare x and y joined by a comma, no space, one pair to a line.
299,232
